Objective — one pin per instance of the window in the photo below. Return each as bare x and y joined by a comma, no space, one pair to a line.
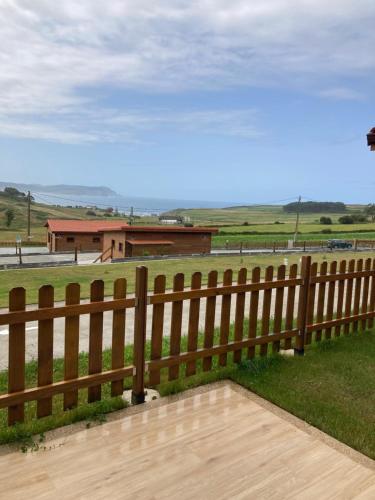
96,239
70,239
120,247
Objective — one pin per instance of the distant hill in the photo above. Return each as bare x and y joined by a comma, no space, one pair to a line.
64,189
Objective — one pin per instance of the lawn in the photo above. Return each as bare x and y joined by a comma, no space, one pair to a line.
59,277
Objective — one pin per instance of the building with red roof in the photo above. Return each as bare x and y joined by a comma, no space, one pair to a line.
135,241
85,235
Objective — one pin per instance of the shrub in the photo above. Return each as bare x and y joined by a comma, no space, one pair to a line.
188,224
245,223
326,231
9,217
325,220
91,213
346,219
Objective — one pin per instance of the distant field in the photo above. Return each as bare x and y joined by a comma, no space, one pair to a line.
255,215
220,240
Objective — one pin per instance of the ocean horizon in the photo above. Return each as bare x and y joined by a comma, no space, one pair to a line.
141,205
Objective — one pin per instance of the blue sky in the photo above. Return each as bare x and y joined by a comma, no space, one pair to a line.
212,100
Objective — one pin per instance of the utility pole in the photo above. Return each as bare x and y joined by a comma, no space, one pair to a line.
28,216
131,216
297,220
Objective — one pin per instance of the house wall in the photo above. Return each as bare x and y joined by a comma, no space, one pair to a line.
118,238
85,242
183,243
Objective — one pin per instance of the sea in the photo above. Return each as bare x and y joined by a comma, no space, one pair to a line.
124,204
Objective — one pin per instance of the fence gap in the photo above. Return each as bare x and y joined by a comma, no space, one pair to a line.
45,350
176,324
157,329
209,326
96,340
118,336
225,315
240,313
253,316
16,362
71,348
196,283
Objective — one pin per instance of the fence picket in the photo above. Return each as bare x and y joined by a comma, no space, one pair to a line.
321,300
311,301
340,297
209,326
118,335
196,283
16,364
266,310
45,350
157,328
289,317
330,298
279,302
240,313
225,316
96,339
349,295
71,348
365,293
357,294
176,324
253,315
372,296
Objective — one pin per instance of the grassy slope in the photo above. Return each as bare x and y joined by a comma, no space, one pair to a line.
39,214
32,279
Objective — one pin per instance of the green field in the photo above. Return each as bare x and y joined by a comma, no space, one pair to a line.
240,224
59,277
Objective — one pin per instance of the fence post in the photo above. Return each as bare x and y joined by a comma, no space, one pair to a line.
140,318
75,255
303,301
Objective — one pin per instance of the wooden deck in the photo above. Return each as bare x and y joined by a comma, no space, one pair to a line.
215,443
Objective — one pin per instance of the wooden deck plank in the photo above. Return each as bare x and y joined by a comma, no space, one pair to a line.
170,451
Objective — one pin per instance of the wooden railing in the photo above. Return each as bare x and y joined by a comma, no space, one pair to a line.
104,256
245,315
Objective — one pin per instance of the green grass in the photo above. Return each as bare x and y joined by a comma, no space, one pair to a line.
332,387
32,279
219,241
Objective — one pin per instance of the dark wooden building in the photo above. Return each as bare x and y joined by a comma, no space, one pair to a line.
136,241
65,235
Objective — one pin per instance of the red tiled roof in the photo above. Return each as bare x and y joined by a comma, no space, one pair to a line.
82,226
163,229
150,242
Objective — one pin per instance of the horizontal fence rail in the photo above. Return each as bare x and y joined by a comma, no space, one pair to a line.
179,332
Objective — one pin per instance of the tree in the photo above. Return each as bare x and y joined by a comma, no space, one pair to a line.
370,211
325,220
346,219
9,217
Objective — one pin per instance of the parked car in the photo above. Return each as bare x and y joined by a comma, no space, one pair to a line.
338,244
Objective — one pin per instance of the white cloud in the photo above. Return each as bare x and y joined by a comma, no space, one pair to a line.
52,53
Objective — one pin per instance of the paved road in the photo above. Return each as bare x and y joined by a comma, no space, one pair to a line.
47,258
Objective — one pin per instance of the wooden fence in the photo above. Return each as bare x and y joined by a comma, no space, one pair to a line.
248,315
